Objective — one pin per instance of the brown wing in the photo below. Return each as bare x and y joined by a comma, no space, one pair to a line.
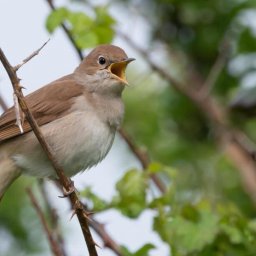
47,104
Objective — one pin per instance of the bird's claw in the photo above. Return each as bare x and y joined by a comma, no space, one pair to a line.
66,192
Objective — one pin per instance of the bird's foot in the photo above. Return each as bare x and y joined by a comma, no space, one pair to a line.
66,192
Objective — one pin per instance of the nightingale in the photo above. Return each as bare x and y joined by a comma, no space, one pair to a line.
78,114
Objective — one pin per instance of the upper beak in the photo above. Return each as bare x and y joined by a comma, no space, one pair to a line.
118,69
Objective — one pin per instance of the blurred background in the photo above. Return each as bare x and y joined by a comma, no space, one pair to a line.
181,177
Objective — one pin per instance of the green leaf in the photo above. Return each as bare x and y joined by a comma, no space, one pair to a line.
103,17
125,251
86,40
55,18
144,250
81,23
105,35
187,236
247,42
131,189
155,167
98,203
87,31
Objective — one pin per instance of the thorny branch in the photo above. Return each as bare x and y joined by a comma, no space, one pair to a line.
66,182
99,228
16,68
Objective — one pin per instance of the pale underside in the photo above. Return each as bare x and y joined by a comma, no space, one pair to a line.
75,151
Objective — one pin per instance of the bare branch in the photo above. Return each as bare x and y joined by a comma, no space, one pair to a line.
217,67
16,68
53,244
65,181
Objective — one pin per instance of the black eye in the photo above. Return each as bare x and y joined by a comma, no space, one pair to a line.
101,60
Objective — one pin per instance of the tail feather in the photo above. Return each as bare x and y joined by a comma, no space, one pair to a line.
8,173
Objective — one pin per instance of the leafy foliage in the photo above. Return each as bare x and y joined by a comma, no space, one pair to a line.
87,31
143,251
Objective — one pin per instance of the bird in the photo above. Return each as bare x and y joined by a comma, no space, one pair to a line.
78,114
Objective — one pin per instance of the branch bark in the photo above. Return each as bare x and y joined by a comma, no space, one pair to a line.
65,181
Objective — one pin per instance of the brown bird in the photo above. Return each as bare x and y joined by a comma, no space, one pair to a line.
78,114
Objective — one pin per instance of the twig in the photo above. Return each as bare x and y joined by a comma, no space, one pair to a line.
143,158
16,68
217,67
53,244
66,182
108,241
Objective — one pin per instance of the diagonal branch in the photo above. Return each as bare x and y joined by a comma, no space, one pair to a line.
217,66
56,250
16,68
53,217
66,182
99,228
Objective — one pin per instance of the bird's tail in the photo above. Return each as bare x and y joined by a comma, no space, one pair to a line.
8,173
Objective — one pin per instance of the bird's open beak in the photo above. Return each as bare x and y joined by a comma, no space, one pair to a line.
118,69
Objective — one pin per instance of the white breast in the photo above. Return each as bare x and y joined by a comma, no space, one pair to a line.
79,141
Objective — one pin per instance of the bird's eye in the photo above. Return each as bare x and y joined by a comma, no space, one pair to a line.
101,60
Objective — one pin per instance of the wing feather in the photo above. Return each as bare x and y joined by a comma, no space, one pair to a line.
49,103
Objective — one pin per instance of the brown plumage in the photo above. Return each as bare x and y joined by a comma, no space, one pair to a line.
78,115
44,106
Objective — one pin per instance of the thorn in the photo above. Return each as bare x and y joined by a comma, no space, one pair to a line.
72,215
96,244
87,215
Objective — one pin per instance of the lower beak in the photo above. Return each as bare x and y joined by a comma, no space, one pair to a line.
118,69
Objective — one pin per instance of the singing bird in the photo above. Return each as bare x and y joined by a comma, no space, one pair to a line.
79,115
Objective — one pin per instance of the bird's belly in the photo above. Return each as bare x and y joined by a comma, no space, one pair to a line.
78,141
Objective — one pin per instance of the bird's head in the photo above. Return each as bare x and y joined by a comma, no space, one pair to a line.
103,70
